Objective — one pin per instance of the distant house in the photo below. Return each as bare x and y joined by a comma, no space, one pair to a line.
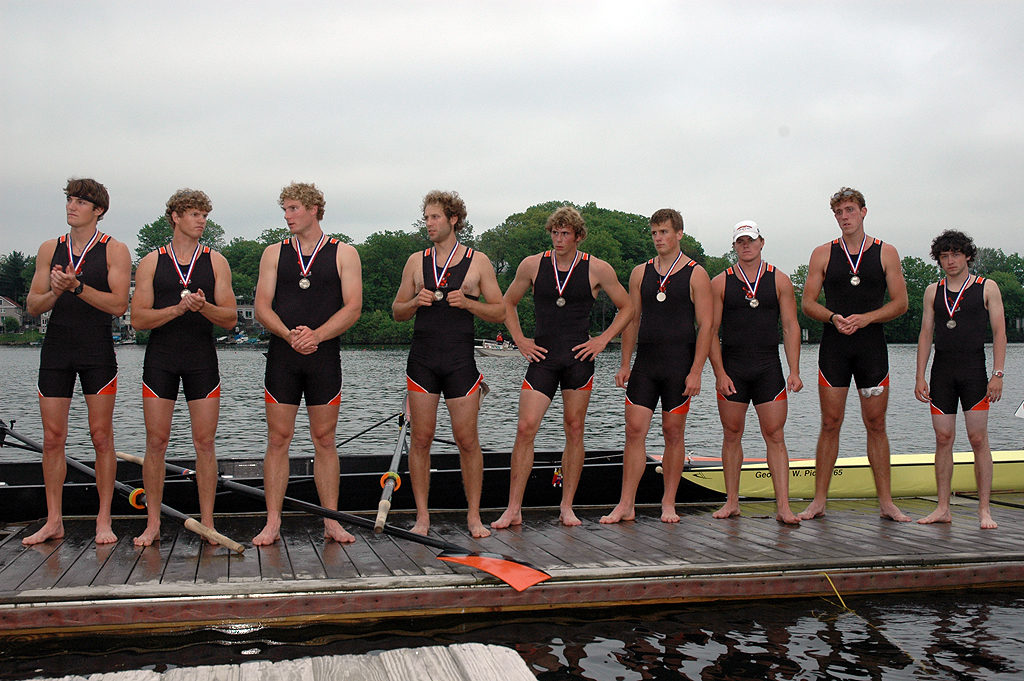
247,319
9,308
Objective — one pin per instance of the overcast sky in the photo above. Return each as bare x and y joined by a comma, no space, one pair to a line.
724,110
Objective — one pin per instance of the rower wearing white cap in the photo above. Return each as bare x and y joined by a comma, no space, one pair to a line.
749,300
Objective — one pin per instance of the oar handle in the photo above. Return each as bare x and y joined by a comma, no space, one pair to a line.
383,508
191,523
211,534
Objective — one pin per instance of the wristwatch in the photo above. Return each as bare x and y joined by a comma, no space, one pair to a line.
78,289
997,374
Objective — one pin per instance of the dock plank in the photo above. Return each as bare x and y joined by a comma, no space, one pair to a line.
182,583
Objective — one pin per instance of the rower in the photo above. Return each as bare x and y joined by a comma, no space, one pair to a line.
444,287
671,332
955,313
171,287
85,285
856,272
565,281
310,291
750,298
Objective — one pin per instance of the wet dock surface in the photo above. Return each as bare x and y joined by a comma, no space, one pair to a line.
73,586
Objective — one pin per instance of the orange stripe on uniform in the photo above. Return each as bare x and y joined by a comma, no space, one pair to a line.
414,387
683,408
589,385
268,398
822,380
336,400
781,396
147,391
981,406
213,393
476,386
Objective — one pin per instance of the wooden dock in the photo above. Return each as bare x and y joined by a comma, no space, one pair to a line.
73,586
459,662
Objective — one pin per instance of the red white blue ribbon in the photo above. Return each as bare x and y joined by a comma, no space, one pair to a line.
77,266
185,277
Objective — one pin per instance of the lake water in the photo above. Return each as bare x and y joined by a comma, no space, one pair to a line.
374,386
946,635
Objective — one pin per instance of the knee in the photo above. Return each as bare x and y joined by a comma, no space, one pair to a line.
636,430
732,431
673,435
831,423
526,429
280,437
773,435
978,440
101,435
322,438
875,423
573,429
945,437
466,438
422,437
157,442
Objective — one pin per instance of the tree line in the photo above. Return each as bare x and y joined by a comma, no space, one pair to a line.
622,239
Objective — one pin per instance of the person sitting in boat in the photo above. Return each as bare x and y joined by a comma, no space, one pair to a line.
565,281
444,287
955,313
309,292
750,298
181,291
671,332
84,286
856,272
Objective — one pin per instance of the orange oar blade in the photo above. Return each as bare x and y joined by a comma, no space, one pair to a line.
519,576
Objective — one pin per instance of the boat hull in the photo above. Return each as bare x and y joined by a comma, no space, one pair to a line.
912,475
22,493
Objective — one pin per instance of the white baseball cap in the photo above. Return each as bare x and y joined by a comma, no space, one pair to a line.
746,228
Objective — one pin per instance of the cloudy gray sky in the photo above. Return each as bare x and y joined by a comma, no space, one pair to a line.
724,110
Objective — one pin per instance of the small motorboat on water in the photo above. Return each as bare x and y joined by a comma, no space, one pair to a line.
912,475
489,348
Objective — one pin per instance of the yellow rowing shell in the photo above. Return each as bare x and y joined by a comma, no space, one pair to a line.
912,475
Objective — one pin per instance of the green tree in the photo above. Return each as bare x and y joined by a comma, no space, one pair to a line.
1013,302
918,275
716,264
243,255
11,324
12,283
272,235
159,232
383,257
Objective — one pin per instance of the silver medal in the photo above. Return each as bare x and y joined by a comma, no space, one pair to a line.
560,301
754,302
855,280
438,294
304,283
184,293
951,324
661,297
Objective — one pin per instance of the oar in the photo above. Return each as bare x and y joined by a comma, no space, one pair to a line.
516,574
391,481
136,496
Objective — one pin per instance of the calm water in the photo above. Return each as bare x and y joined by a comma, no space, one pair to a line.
956,635
374,386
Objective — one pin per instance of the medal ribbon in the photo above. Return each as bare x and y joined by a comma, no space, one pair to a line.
661,284
438,278
77,266
184,278
860,254
307,265
752,289
560,285
956,303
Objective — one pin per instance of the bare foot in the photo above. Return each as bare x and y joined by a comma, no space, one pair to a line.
986,520
148,536
568,518
477,528
729,510
937,516
332,530
421,527
269,535
507,519
890,512
816,509
619,513
669,515
787,518
45,533
105,533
